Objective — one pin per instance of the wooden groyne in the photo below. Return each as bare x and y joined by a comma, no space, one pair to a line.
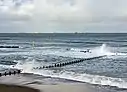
68,63
17,71
9,46
10,72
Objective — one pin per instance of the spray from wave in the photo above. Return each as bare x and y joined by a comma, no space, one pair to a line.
84,53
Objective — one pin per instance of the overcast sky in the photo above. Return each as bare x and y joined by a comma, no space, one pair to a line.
63,16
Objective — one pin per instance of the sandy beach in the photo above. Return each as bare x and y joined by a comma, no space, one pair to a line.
36,83
14,88
46,88
21,83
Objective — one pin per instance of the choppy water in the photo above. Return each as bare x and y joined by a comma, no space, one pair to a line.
37,50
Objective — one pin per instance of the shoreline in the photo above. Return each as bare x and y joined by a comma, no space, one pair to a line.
46,88
36,83
31,83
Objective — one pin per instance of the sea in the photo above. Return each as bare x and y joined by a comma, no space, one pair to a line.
43,49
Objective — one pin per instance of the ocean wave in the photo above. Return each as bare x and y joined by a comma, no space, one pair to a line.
28,66
83,42
92,79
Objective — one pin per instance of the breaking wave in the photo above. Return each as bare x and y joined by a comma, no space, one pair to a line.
28,66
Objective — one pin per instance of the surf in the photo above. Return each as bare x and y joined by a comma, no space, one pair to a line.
29,65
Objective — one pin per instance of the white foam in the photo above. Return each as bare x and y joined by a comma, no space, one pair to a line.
92,79
28,65
6,66
76,52
72,52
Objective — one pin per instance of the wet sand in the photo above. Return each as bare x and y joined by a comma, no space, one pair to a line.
46,88
66,88
14,88
35,83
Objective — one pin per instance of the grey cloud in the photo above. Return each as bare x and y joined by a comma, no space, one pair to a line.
67,15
